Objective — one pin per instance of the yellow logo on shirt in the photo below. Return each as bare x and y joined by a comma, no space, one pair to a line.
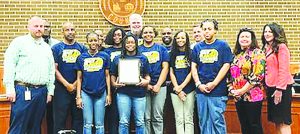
114,54
70,55
140,42
208,55
93,64
181,62
152,56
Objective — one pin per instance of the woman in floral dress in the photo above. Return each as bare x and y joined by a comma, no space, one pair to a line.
247,72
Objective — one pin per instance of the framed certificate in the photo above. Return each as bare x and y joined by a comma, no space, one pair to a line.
129,71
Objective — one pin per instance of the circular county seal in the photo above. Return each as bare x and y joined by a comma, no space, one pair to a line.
117,12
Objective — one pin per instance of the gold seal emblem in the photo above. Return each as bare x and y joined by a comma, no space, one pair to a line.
117,12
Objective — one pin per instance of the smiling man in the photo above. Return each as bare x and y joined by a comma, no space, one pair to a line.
136,25
65,55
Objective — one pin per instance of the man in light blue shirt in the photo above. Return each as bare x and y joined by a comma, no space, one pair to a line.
29,75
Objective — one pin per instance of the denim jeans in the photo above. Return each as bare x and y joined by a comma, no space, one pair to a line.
184,112
154,121
211,114
26,115
93,107
127,103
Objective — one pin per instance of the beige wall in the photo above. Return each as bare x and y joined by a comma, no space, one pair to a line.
177,14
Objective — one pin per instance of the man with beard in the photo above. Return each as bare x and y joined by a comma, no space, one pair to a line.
47,34
167,38
29,75
136,25
50,41
65,55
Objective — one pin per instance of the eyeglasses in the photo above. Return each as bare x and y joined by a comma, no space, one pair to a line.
245,29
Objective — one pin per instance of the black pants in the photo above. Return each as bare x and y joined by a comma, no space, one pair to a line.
112,116
64,103
249,114
49,117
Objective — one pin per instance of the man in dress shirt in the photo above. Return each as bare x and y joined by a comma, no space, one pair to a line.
136,26
29,75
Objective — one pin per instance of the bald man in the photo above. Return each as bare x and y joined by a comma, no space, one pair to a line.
167,37
29,75
65,55
136,24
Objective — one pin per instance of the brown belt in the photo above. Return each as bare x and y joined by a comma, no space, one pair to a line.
28,84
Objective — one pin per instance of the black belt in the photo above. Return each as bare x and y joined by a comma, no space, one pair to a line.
28,84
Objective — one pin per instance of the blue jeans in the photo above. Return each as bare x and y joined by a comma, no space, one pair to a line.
211,114
93,106
138,106
154,114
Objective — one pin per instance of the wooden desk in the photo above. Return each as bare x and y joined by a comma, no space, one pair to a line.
233,125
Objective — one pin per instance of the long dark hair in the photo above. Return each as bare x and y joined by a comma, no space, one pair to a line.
279,36
175,50
237,49
123,52
109,40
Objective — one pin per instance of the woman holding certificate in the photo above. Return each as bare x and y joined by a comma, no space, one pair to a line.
130,93
183,96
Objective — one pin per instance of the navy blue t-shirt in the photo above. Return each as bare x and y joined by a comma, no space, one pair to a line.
132,90
156,55
169,48
210,58
65,56
93,72
181,69
113,52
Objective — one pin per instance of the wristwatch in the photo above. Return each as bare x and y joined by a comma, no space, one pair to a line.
197,84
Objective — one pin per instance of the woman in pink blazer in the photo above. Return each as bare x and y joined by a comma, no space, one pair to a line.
278,78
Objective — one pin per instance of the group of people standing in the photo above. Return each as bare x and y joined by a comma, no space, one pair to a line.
86,82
